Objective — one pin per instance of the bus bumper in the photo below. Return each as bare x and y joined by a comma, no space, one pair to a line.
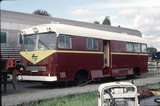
37,78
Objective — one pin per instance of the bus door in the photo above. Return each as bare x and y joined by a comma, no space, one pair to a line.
106,53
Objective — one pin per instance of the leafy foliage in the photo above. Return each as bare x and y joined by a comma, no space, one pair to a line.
96,22
151,50
41,12
106,21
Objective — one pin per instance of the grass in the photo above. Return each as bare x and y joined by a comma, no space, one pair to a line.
153,86
84,99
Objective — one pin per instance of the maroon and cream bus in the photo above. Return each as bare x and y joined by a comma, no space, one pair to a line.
58,52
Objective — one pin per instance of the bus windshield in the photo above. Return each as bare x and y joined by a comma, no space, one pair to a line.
43,41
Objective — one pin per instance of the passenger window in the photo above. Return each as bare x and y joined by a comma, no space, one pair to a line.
92,44
64,41
137,47
3,36
144,48
130,47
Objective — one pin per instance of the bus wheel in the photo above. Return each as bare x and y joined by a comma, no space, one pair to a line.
81,77
136,71
131,76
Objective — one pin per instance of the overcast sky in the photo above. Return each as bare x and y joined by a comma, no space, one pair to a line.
143,15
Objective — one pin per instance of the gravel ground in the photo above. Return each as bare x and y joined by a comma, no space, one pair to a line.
149,101
29,91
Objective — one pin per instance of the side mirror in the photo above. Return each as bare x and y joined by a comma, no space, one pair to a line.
157,100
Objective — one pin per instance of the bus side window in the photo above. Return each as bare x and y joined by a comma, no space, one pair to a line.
92,44
130,47
137,47
144,48
64,41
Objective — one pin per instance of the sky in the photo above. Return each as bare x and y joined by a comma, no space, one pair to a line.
143,15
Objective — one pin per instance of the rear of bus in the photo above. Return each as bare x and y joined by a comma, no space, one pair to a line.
38,58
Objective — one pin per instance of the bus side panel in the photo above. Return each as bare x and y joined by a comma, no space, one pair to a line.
70,63
126,61
123,62
52,64
143,63
128,64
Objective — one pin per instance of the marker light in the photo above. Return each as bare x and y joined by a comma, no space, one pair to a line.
35,30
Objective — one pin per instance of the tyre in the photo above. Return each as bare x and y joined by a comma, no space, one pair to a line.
81,77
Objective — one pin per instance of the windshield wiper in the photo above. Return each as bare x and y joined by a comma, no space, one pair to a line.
43,44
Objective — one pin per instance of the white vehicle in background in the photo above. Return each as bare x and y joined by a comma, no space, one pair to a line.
118,94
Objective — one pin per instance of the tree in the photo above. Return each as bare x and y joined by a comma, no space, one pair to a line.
96,22
151,50
106,21
41,12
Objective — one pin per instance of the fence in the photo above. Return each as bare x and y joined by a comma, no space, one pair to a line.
154,67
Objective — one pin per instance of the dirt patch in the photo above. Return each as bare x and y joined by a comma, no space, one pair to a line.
149,90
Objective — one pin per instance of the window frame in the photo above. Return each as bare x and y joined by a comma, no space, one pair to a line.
70,41
93,40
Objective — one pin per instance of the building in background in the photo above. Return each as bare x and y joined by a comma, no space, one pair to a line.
13,22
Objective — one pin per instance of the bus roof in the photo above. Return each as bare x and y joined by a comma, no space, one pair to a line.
83,31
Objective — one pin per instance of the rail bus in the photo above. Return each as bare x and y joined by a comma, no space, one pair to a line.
62,52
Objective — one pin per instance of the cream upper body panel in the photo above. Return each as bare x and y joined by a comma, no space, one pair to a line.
82,31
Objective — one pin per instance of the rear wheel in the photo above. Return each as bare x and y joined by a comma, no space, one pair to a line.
82,76
131,76
136,71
